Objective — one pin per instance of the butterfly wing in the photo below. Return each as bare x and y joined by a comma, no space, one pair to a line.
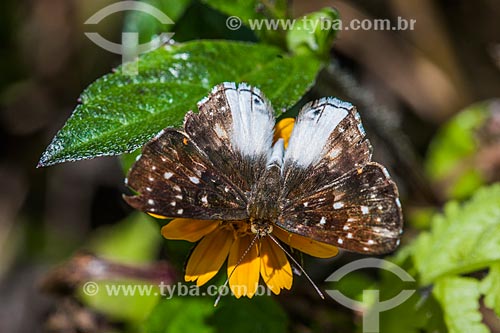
173,178
332,192
208,171
327,141
359,212
234,128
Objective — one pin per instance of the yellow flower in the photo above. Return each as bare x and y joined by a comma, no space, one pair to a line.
221,240
247,262
283,130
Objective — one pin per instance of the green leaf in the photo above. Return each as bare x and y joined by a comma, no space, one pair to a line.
249,12
134,240
450,154
490,287
180,314
259,314
119,113
149,26
459,299
462,240
314,33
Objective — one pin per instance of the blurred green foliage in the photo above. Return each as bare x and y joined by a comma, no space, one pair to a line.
450,159
179,315
120,242
314,34
459,297
464,239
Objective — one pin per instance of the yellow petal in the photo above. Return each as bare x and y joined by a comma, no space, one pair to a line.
275,268
188,229
156,216
306,244
243,280
283,130
208,256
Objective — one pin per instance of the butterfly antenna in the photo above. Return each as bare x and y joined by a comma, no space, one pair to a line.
219,295
298,265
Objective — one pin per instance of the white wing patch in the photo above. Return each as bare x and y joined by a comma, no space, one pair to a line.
278,150
315,123
253,119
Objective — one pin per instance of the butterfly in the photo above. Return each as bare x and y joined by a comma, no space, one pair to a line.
223,165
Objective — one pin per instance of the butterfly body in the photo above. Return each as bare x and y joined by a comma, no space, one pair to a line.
224,166
263,200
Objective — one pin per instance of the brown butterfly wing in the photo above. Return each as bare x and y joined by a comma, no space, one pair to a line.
173,178
359,212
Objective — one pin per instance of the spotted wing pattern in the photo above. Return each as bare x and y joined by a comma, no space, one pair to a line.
173,178
328,188
332,193
234,128
327,141
359,212
207,171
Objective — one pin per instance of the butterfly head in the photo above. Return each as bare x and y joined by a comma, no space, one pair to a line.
261,228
